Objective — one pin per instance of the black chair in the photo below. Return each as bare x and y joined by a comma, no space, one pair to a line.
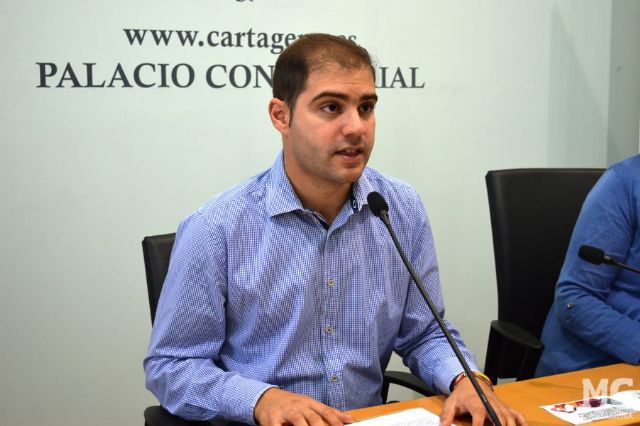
533,212
157,252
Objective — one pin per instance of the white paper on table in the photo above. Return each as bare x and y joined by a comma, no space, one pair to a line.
411,417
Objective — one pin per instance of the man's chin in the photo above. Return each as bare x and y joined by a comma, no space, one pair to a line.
352,175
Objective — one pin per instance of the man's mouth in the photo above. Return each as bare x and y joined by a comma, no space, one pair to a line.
350,152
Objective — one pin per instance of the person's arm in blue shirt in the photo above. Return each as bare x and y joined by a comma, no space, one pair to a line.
423,345
189,330
420,342
608,220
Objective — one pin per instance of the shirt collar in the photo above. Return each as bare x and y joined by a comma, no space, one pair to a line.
280,195
281,198
360,190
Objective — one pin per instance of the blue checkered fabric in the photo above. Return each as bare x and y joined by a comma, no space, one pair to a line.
259,294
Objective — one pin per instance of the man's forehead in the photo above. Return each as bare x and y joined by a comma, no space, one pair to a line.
334,68
337,78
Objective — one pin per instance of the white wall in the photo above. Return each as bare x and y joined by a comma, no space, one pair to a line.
86,173
624,83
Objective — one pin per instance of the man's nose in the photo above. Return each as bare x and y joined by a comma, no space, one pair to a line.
353,124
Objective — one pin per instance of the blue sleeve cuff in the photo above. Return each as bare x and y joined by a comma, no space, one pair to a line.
447,371
240,397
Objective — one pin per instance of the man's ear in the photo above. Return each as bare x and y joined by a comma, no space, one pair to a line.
280,115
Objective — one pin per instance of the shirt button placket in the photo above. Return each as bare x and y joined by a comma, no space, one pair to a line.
332,357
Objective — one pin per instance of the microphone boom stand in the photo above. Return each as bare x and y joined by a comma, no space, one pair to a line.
384,216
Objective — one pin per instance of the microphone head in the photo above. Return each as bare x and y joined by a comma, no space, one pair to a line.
377,203
591,254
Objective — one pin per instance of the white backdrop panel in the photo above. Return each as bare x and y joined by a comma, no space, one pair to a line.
87,172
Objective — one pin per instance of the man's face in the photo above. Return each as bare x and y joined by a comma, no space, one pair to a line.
328,140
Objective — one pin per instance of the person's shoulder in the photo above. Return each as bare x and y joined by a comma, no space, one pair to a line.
628,168
237,201
619,186
391,187
623,176
237,209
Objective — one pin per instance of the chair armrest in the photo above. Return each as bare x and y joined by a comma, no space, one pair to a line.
517,335
406,380
158,416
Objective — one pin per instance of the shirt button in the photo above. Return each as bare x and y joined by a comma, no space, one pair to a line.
570,305
333,378
328,329
331,282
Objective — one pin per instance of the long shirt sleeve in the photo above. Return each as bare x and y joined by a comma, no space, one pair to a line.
182,366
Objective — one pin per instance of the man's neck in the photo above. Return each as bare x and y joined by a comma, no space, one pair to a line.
327,201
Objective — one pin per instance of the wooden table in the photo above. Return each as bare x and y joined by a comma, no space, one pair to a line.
528,395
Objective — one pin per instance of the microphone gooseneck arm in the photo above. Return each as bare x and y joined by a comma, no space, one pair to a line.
380,208
623,266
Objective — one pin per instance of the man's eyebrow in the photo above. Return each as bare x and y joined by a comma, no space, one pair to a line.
367,97
370,97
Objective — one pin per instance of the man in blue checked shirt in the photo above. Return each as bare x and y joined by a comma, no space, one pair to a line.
285,297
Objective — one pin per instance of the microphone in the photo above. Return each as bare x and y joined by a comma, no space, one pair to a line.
598,256
380,208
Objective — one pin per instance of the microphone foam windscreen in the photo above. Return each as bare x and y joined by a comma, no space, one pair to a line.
591,254
377,203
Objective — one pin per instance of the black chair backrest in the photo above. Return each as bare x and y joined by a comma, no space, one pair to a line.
533,212
157,252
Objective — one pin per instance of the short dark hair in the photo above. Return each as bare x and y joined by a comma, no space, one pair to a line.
310,52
